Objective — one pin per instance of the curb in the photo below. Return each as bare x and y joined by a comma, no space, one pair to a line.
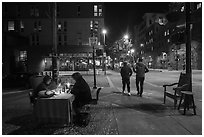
15,92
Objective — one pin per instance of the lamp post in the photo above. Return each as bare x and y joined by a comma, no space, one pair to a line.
104,42
125,37
54,48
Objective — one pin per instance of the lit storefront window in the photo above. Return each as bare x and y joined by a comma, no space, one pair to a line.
11,26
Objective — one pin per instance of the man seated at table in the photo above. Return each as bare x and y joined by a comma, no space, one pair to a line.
81,91
43,89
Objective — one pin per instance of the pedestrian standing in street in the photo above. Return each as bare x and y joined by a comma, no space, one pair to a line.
126,73
140,71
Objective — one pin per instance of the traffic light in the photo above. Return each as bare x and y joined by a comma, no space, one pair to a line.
178,38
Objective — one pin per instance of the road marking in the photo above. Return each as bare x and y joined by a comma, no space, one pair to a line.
13,92
110,82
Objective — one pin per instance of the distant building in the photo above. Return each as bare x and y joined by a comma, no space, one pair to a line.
153,38
76,22
149,36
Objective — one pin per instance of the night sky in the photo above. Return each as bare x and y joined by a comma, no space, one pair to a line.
120,17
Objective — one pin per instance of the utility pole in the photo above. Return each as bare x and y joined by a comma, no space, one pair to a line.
54,48
94,67
104,57
188,43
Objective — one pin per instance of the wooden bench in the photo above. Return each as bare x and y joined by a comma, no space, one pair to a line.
183,84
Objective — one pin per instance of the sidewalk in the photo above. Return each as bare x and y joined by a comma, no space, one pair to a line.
147,116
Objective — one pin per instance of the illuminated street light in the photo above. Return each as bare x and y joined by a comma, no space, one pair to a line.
126,36
104,31
132,50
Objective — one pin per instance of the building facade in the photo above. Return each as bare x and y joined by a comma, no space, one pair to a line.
155,43
75,23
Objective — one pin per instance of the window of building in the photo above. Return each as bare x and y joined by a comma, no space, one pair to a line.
23,56
167,32
96,24
32,11
39,26
182,9
100,10
59,26
199,5
65,26
35,26
65,39
91,24
37,40
11,25
36,12
168,40
95,8
78,10
21,26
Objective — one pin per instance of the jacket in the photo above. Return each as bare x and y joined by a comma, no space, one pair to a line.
81,91
126,72
141,69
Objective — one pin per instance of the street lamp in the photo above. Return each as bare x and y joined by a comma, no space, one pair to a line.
104,42
126,36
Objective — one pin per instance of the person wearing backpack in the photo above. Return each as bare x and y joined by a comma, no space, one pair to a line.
140,71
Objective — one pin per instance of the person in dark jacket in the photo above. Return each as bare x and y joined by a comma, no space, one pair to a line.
140,71
126,73
81,91
44,88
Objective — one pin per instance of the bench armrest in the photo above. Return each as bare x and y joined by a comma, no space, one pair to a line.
169,85
180,88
